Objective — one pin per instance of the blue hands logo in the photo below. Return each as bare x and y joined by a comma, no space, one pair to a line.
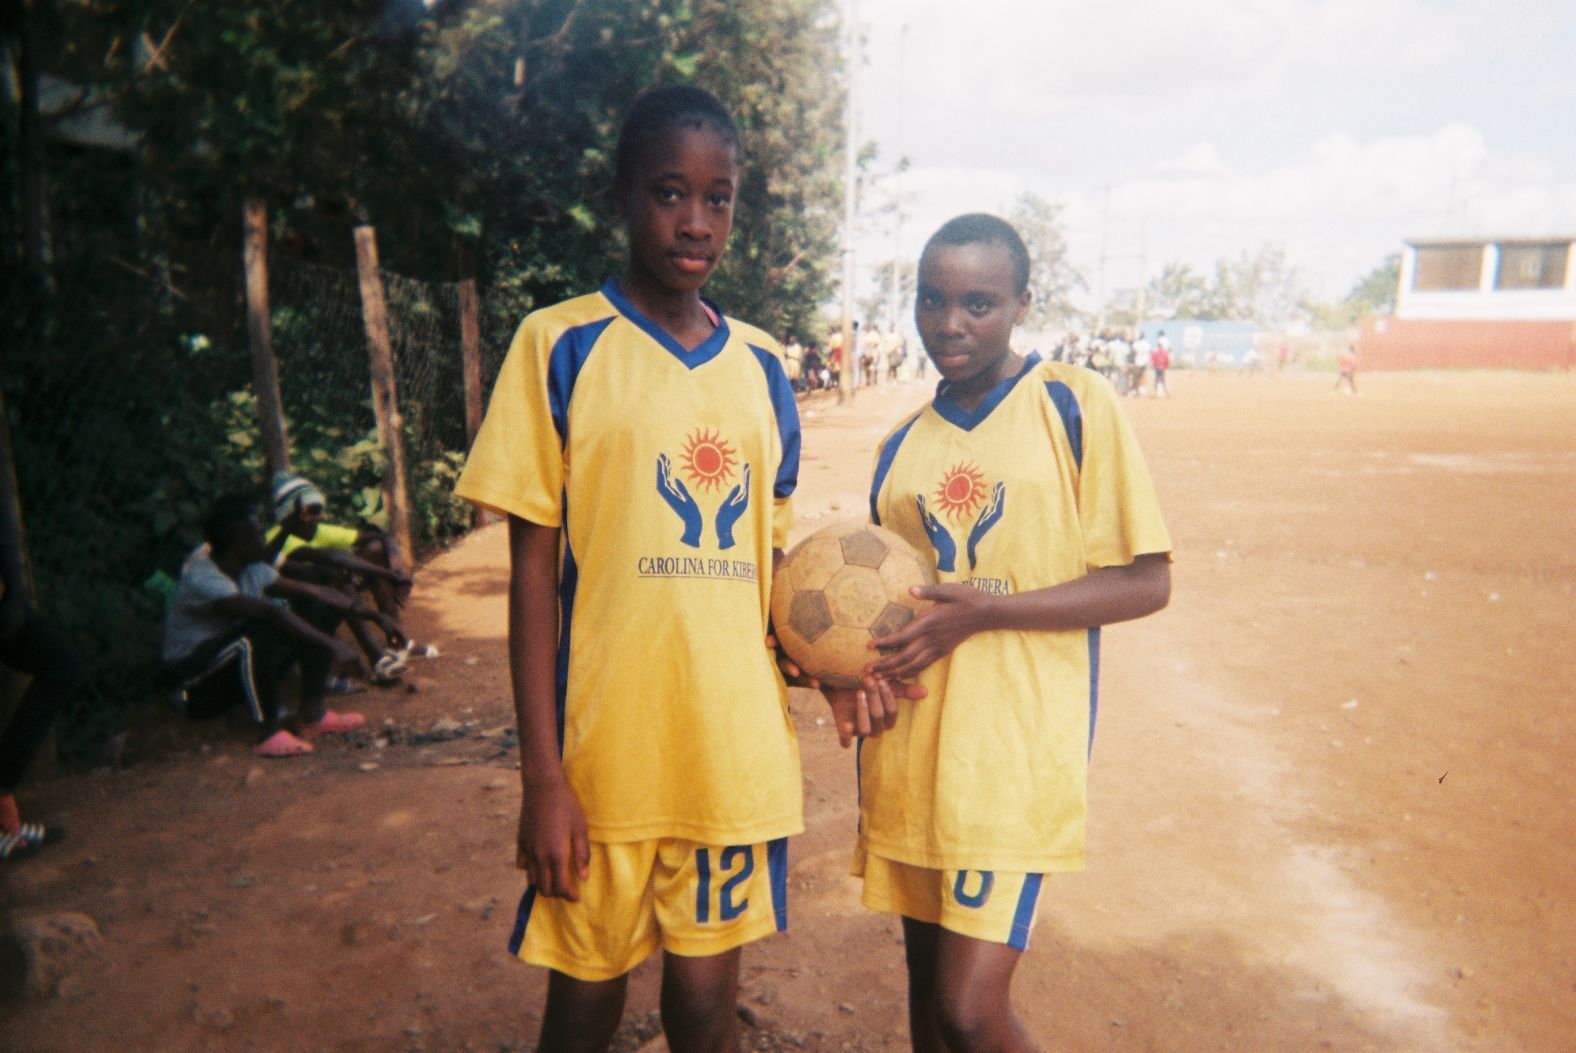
941,540
733,507
677,496
990,515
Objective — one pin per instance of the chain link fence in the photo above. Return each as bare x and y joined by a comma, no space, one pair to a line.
130,408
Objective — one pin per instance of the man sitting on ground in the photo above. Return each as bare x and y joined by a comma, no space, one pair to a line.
226,641
305,547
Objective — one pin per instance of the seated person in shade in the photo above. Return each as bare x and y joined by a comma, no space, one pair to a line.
303,546
30,645
226,641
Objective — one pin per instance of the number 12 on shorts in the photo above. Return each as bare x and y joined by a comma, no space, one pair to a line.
735,863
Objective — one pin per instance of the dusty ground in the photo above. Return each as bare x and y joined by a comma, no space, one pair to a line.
1331,795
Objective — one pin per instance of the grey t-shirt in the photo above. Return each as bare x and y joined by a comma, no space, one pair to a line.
193,621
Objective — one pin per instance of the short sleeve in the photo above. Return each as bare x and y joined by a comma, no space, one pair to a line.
1117,507
516,465
785,412
256,579
205,583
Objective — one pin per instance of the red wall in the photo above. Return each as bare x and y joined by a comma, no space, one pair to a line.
1419,344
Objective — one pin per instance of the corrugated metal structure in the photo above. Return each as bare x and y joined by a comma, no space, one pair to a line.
1198,344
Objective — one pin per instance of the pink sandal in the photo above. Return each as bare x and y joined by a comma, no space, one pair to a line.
281,744
335,723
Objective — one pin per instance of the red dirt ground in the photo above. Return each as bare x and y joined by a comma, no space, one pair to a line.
1331,794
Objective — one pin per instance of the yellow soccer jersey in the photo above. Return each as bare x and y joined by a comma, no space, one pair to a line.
669,473
1039,484
329,537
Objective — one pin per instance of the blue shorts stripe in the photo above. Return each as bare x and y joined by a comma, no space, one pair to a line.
1023,917
777,868
569,581
1094,684
522,916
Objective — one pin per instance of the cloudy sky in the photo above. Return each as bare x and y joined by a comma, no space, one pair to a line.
1202,129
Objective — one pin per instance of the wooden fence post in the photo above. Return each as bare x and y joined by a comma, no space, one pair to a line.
19,576
471,367
260,339
471,357
385,401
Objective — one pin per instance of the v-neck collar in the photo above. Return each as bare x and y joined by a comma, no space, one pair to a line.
707,350
968,419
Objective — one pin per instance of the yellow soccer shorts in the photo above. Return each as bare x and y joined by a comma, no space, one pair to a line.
992,905
685,897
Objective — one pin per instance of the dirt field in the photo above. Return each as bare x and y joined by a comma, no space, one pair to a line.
1332,792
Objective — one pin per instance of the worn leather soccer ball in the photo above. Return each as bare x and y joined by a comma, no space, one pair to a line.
838,589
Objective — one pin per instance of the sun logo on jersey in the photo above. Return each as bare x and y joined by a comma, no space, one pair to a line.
708,459
962,490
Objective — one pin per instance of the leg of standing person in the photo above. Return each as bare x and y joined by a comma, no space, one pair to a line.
700,1002
38,649
960,992
581,1015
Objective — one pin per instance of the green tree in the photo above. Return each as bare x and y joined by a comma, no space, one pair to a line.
1179,291
1052,277
1375,291
471,133
878,303
1258,286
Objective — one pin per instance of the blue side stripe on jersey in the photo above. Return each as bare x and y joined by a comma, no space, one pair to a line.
564,363
709,348
521,916
1072,416
777,868
1023,917
786,411
569,577
884,465
1094,682
969,419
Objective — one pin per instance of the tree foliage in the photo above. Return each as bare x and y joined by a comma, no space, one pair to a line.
1375,291
1052,277
1258,286
475,135
465,130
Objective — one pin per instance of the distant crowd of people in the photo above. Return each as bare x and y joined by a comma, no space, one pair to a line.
1123,361
881,358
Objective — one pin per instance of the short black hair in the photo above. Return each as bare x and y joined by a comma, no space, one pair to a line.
977,228
223,517
662,111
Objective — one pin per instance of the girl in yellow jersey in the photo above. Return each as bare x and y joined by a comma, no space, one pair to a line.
644,447
1023,480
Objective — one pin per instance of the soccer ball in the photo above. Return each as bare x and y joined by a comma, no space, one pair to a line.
840,588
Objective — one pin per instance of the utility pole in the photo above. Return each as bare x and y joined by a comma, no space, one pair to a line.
1143,262
897,187
1105,237
845,385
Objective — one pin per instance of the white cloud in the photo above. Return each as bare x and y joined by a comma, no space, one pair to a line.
1337,210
